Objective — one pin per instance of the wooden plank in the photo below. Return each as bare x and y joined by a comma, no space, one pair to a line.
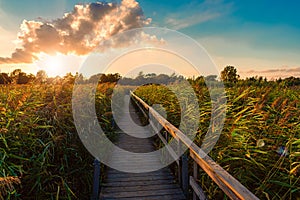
137,183
148,193
185,175
197,189
167,125
163,170
140,188
170,150
156,173
158,197
96,179
195,176
151,185
145,178
233,188
141,109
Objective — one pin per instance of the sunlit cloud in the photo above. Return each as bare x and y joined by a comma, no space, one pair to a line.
283,72
78,32
5,37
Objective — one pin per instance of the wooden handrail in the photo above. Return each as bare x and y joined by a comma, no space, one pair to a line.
231,187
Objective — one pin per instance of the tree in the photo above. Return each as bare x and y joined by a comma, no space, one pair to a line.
229,74
95,78
41,76
211,78
69,78
23,78
4,78
15,75
105,78
19,77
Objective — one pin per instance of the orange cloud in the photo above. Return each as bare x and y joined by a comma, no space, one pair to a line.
275,73
78,32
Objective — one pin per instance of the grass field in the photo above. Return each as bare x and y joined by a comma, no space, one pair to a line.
260,142
42,157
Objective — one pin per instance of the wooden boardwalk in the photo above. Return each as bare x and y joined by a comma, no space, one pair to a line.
158,184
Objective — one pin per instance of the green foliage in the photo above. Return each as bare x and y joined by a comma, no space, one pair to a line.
229,74
259,144
41,156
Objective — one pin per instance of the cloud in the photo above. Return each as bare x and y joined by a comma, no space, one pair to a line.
282,70
6,41
190,21
196,13
78,32
275,73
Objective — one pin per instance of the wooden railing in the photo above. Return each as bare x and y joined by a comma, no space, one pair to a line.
230,186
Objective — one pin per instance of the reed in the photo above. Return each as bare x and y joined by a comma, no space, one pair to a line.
39,143
260,141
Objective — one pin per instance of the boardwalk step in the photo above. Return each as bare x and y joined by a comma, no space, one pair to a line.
145,193
137,183
140,188
146,178
158,185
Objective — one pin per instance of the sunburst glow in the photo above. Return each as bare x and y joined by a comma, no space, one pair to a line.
59,64
54,63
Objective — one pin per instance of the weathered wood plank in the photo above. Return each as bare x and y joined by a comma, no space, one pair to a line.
146,193
162,197
197,189
140,188
170,150
137,183
121,174
145,178
143,186
114,171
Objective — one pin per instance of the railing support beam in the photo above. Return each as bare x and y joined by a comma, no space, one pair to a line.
185,175
96,180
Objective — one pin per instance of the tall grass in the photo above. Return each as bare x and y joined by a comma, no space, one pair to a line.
41,156
260,141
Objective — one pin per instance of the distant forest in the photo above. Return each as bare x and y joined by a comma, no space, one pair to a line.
229,76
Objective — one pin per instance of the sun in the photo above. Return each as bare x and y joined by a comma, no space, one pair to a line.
53,64
59,64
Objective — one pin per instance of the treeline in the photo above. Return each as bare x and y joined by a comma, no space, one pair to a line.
249,81
151,78
41,77
19,77
229,76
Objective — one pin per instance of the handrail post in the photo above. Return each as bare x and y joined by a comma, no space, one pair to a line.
185,175
195,175
96,180
179,171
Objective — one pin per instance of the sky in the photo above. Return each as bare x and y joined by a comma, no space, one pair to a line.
257,37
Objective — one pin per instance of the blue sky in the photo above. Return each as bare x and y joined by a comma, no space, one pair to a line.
258,37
